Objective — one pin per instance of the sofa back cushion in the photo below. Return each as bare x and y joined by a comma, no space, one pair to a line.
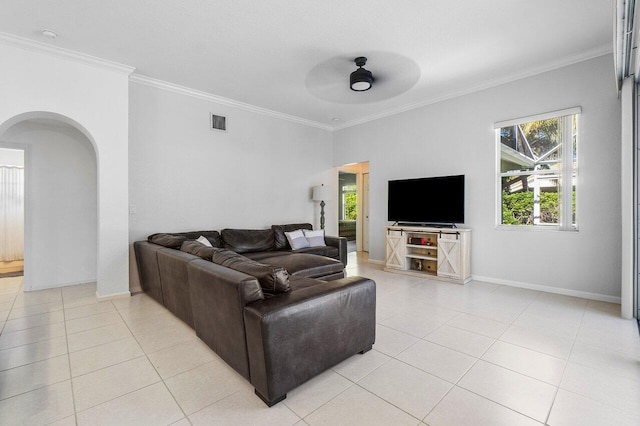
174,240
281,242
167,240
212,236
248,240
273,279
197,249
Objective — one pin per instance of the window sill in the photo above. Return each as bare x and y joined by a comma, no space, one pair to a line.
538,228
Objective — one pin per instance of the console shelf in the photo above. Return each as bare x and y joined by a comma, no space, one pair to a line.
429,252
418,256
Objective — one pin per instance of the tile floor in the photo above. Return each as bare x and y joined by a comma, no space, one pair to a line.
445,354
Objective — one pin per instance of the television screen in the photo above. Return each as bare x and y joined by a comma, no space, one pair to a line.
436,200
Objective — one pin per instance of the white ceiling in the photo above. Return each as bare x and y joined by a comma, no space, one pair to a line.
279,54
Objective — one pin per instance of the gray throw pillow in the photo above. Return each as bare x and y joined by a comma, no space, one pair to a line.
204,241
315,238
281,242
297,240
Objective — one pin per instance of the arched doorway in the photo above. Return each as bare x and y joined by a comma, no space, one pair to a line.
61,198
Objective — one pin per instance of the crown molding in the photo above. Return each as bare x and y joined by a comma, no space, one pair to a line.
59,52
198,94
43,48
585,56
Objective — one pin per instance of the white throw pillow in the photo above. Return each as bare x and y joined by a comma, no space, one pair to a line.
315,238
297,240
204,241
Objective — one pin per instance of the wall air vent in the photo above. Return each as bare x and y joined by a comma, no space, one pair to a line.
218,122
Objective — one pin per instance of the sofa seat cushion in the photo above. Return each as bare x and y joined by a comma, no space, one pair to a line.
264,254
306,265
248,240
327,251
298,283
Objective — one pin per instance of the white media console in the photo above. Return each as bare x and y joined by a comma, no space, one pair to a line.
439,253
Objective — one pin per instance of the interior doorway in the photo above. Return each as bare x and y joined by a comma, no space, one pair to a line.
353,205
59,231
11,211
347,208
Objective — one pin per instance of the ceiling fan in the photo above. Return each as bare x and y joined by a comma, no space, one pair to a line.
387,75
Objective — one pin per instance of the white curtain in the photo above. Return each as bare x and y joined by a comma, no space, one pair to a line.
11,213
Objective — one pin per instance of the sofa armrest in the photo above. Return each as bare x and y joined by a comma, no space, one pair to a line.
341,244
296,336
218,298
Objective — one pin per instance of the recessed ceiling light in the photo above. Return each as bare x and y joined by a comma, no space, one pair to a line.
335,119
51,35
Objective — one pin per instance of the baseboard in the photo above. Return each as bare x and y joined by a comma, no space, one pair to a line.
114,296
548,289
376,262
72,283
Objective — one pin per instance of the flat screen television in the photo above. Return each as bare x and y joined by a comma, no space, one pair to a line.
435,200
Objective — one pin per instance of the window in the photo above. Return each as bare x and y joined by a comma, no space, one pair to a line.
347,193
537,170
349,203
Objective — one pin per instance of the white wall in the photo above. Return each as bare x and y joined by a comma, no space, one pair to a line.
61,197
183,176
93,97
457,137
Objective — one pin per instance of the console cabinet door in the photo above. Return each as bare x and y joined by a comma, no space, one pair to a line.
449,257
396,250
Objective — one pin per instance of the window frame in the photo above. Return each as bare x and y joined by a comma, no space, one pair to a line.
567,172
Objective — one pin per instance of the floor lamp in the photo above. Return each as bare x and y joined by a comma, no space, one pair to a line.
321,193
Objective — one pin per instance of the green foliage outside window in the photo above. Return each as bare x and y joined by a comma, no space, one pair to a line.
350,206
517,208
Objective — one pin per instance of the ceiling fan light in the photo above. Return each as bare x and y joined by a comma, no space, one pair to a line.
361,80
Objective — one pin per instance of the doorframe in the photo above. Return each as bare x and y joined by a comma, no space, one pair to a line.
359,169
636,197
366,214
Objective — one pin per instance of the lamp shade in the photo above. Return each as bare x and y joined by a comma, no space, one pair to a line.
321,193
361,80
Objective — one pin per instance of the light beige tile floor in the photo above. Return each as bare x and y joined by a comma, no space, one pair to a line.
445,354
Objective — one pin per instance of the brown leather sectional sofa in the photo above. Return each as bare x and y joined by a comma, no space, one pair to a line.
276,337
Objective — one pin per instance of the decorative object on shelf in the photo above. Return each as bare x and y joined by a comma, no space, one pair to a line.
361,79
416,264
321,193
